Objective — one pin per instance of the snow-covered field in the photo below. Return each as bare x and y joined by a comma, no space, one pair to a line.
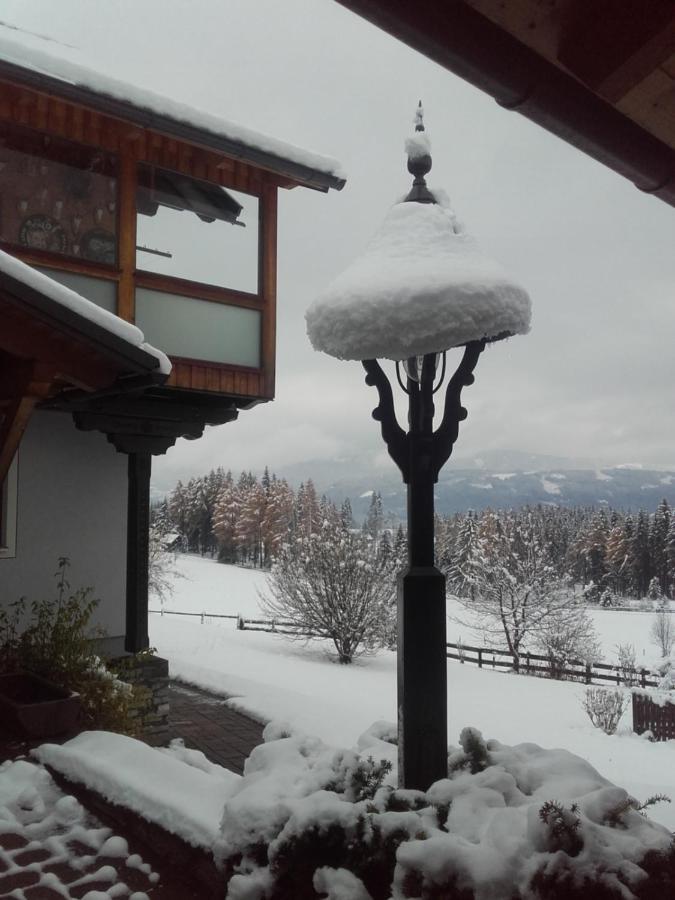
272,678
613,627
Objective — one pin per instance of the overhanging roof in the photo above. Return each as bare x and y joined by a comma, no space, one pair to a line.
26,60
598,73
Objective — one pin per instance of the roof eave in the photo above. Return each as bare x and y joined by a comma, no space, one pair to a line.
184,131
129,358
474,48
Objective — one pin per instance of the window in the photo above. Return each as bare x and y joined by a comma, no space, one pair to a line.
8,508
196,230
57,197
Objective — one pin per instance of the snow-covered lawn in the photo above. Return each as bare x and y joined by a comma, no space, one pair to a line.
613,627
206,585
270,677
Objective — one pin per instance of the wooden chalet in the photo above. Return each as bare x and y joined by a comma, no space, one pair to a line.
161,215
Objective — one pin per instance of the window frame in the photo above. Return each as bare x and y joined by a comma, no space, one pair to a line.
9,491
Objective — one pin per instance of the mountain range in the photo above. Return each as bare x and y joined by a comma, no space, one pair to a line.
498,479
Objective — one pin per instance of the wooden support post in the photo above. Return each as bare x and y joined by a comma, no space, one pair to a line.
267,284
138,528
480,658
126,292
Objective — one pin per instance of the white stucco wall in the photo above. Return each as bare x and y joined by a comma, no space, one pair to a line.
72,501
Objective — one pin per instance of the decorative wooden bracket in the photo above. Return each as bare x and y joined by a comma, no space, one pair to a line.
23,385
453,412
421,412
394,436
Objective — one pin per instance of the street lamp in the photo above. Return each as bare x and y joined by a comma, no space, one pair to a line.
421,287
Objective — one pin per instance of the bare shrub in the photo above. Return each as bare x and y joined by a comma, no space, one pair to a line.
626,664
605,707
662,632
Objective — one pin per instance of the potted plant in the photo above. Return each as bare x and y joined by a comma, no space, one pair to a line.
51,680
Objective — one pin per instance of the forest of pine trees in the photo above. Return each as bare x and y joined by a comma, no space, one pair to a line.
247,519
610,553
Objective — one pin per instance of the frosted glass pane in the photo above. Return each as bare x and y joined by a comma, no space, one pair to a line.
100,291
198,329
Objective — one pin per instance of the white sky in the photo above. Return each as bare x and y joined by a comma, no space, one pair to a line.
595,376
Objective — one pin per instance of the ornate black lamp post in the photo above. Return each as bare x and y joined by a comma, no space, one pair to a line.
425,276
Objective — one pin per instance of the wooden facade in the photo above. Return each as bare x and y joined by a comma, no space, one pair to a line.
129,145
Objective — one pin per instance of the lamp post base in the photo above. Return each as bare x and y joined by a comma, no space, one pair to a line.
422,678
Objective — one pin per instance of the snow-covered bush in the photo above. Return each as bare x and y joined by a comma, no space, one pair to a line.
605,707
565,638
626,664
509,823
332,583
662,631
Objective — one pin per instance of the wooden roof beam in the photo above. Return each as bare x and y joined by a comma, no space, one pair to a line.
30,383
613,46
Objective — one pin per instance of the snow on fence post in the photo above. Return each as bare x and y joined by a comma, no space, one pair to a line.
202,618
589,671
240,622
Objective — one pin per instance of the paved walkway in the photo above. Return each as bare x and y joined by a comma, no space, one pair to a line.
28,855
205,723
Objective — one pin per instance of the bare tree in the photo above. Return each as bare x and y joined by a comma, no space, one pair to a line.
162,570
662,632
518,596
332,583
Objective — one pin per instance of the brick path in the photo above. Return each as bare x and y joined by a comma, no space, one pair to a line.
205,723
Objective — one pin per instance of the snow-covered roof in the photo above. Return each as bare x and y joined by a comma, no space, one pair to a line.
66,298
421,286
32,60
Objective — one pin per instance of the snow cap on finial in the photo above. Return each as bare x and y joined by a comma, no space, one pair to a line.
418,148
422,285
419,117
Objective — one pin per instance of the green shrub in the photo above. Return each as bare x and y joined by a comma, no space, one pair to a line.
57,643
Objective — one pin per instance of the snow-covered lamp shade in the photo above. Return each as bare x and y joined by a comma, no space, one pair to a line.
421,286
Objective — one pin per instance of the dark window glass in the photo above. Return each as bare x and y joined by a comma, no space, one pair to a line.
57,196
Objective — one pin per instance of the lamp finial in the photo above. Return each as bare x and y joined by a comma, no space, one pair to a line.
418,149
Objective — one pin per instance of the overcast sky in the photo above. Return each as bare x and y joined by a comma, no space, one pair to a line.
594,378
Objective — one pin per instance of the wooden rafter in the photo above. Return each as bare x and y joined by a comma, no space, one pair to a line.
612,47
73,361
22,385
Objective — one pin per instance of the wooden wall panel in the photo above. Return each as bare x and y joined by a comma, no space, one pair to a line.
51,115
68,120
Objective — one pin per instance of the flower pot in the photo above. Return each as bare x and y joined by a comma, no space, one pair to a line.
33,707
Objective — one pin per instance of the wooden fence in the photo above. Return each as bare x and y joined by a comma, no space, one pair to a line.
654,717
483,657
535,664
274,626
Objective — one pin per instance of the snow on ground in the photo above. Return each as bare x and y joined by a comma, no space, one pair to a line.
176,789
271,677
206,585
613,627
50,845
